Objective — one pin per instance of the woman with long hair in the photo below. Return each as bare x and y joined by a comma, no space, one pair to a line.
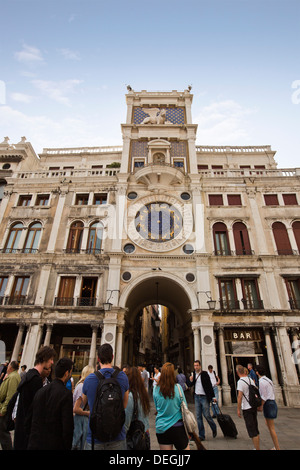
81,415
139,395
170,430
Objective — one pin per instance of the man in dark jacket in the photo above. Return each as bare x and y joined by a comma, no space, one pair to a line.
27,389
203,394
52,420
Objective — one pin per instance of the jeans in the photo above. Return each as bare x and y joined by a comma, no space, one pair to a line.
80,432
113,445
202,408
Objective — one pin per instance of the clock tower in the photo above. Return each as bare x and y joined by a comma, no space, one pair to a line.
158,154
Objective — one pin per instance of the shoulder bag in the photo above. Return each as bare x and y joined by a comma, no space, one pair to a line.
190,422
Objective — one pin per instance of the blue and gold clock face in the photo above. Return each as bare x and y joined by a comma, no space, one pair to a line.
158,222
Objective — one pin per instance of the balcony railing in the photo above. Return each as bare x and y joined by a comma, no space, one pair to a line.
88,251
14,300
229,304
227,252
75,302
287,251
86,301
19,250
253,304
64,301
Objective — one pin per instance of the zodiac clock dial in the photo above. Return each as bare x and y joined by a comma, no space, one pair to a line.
158,222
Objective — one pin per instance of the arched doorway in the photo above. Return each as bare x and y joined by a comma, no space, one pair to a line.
164,300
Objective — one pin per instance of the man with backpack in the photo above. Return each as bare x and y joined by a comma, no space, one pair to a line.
106,392
248,401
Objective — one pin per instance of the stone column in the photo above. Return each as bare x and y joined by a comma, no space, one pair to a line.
47,339
93,348
197,350
119,345
32,344
291,386
296,347
18,343
226,390
272,366
57,219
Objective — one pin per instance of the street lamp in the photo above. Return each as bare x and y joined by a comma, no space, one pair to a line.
107,305
211,303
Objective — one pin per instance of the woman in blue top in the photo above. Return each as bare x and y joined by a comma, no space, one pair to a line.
170,430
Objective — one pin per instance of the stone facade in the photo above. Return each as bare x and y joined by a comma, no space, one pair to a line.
91,236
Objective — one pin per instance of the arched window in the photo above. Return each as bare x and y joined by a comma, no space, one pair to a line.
221,240
33,237
75,237
13,238
296,230
281,239
241,239
95,238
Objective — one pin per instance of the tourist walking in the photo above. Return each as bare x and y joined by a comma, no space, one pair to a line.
105,356
270,409
243,406
203,395
7,389
138,397
27,389
155,377
215,381
170,430
52,418
81,412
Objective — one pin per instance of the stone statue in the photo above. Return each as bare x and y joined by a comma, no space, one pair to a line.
156,116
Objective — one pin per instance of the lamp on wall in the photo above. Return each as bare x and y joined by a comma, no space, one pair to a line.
107,305
211,303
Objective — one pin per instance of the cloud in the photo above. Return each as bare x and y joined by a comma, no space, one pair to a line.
21,97
223,122
29,55
69,54
57,91
46,132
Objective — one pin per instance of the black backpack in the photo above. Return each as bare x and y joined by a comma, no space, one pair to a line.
136,437
254,396
108,414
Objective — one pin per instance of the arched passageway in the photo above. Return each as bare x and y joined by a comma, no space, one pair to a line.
158,334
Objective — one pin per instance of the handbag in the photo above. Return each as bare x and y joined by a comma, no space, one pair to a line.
190,422
136,437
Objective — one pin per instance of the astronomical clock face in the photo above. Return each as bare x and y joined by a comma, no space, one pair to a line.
158,222
158,225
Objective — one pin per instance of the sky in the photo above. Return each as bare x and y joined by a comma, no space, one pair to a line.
65,66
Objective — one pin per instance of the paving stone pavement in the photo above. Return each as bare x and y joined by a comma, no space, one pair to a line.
287,427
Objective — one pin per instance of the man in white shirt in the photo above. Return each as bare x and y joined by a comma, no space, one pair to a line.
249,414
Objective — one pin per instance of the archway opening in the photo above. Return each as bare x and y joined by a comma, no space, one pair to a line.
158,324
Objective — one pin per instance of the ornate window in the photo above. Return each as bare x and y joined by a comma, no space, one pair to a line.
221,240
281,239
95,238
33,237
75,238
241,239
13,239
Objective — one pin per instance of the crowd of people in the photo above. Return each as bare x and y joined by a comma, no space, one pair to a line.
47,413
